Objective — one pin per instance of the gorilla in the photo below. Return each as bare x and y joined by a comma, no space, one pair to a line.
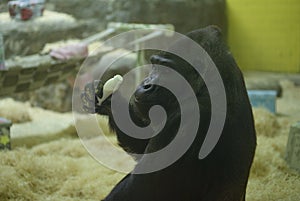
223,174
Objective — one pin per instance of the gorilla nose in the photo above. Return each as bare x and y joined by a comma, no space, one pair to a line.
148,87
143,91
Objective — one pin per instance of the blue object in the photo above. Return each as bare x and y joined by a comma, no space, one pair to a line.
263,98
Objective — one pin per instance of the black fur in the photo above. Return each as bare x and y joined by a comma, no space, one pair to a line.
223,175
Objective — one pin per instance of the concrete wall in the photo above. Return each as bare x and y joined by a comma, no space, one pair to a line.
91,16
186,15
265,34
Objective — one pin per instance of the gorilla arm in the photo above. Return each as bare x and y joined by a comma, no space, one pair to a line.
96,98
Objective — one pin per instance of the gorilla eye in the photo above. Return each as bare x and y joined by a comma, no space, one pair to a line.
166,62
154,68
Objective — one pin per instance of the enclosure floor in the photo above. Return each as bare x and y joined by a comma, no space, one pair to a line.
62,170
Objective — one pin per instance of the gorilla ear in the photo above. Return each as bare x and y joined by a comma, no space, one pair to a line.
207,36
215,31
216,28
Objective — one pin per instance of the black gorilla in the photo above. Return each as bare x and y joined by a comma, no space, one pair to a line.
223,174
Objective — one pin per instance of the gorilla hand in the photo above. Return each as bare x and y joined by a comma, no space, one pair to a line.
96,95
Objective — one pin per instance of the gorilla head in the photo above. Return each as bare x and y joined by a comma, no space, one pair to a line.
223,174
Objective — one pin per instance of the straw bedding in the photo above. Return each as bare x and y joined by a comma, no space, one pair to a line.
62,169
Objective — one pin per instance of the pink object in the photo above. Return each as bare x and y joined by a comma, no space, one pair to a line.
78,50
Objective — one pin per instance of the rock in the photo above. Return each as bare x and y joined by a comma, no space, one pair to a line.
16,112
194,14
257,80
81,9
45,126
56,97
28,37
40,125
293,147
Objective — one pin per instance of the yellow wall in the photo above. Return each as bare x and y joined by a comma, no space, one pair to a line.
265,34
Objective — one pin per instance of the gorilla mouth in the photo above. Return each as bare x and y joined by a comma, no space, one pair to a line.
142,115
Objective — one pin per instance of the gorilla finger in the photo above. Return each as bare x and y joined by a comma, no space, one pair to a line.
86,101
90,110
98,88
89,91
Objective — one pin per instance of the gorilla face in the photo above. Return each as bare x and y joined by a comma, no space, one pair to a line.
164,68
149,90
149,93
